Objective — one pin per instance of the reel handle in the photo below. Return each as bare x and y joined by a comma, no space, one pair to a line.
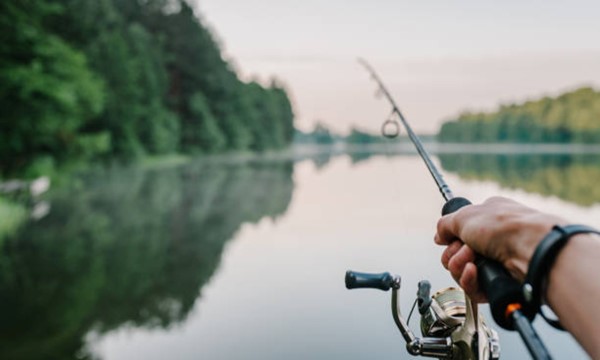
501,289
383,281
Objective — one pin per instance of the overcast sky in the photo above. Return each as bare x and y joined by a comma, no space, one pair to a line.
438,57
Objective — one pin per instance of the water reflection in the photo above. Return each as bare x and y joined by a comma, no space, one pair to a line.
571,177
126,246
133,249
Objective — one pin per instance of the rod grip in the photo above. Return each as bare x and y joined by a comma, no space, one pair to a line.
501,289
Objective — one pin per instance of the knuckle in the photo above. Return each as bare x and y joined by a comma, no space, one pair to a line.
440,225
495,200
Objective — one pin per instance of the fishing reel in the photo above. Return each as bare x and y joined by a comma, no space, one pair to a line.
450,324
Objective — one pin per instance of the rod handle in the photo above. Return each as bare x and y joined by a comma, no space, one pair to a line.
501,289
357,280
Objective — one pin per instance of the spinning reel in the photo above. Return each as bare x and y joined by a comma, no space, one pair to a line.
450,324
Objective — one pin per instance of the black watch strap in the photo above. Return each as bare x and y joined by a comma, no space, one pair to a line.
542,260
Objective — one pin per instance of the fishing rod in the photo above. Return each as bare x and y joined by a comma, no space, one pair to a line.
450,322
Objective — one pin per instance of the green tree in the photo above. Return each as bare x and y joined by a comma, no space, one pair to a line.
201,132
571,117
47,91
125,78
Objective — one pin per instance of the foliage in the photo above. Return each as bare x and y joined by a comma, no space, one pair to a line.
319,135
571,117
47,90
86,79
201,131
362,137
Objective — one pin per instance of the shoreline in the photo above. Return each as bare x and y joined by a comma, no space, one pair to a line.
407,148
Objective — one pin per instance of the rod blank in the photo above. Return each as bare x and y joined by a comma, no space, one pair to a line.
437,176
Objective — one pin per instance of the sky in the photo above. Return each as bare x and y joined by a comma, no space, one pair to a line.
437,57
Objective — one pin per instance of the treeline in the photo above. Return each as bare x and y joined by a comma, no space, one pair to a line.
573,117
102,78
322,135
358,136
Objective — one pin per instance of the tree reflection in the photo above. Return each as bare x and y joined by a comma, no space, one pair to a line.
570,177
126,247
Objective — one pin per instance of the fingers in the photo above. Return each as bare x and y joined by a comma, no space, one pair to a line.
458,259
445,230
450,251
468,281
449,226
457,263
479,226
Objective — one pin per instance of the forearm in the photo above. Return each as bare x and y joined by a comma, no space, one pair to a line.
574,289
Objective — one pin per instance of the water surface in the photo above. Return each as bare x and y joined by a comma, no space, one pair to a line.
245,259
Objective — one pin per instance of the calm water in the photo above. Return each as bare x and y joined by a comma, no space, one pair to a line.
245,259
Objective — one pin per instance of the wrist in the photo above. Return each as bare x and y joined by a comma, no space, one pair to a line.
530,231
573,251
546,255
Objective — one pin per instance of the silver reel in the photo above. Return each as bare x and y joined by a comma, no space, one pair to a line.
446,311
451,326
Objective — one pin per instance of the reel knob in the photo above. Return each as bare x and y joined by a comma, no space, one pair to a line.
382,281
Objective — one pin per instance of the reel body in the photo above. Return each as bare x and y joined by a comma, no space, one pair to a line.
446,312
451,327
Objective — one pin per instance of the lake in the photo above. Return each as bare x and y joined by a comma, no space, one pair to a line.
244,258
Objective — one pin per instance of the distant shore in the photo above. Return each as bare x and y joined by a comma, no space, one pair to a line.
448,148
299,152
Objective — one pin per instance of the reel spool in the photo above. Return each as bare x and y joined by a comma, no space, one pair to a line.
446,312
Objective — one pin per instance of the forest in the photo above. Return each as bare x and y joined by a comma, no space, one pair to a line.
573,117
90,80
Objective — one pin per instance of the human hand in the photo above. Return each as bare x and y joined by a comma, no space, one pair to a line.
500,229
